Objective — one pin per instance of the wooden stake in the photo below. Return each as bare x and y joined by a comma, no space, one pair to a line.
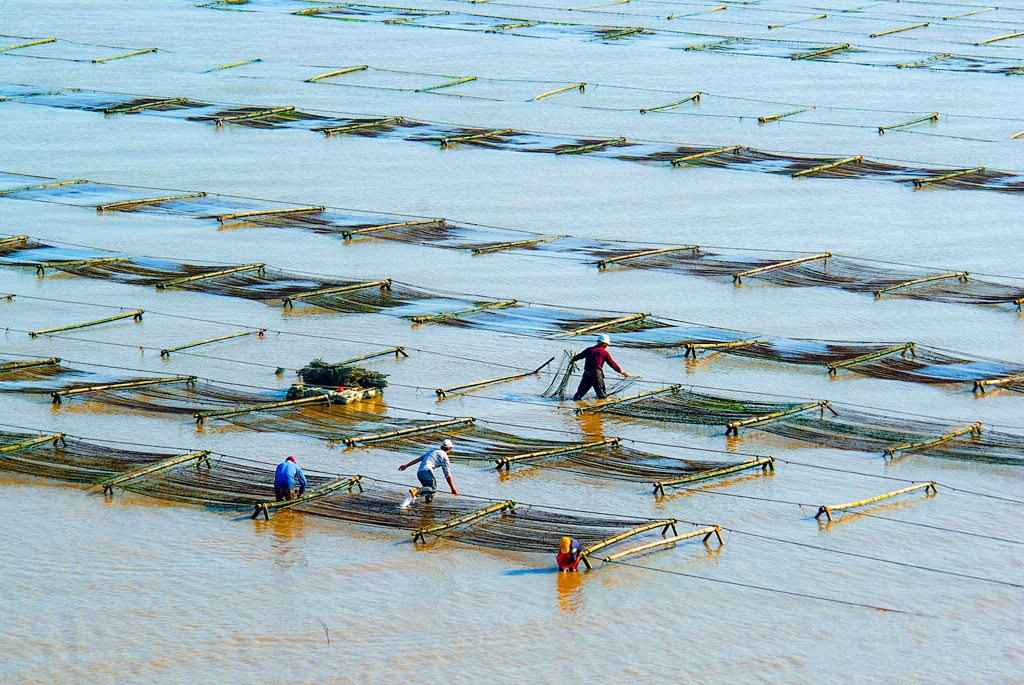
959,275
188,380
461,520
827,510
974,430
135,315
765,464
738,278
405,432
148,201
706,532
506,462
902,349
601,405
442,393
734,427
199,457
210,274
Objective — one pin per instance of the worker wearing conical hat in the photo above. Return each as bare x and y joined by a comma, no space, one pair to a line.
593,375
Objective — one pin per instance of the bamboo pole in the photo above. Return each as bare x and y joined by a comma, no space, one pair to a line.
448,142
200,457
233,65
998,38
147,201
42,267
146,105
127,54
15,366
167,352
933,117
327,397
927,60
355,127
187,380
902,349
593,147
701,155
646,253
691,348
507,27
798,21
398,351
622,33
326,489
974,430
982,385
602,325
738,278
405,432
347,235
967,14
776,117
717,43
14,240
11,191
210,274
461,520
604,404
694,98
384,285
41,41
822,52
856,159
254,115
421,15
25,444
734,427
900,30
339,72
828,509
442,393
706,532
487,249
442,316
136,315
582,87
764,463
918,182
506,462
449,84
596,547
961,276
270,212
1015,136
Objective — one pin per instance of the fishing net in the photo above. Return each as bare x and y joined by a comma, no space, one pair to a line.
565,379
71,460
15,371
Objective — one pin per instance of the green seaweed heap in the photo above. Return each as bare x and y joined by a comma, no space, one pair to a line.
319,372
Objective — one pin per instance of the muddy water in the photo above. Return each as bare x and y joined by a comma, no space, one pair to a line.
100,591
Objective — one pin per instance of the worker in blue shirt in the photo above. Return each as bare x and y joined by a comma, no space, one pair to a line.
287,476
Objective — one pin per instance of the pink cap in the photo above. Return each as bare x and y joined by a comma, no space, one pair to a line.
291,459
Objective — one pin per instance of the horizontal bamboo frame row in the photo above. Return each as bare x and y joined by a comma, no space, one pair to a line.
828,509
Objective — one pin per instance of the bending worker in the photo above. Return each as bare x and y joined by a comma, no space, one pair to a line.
569,554
593,376
288,473
430,462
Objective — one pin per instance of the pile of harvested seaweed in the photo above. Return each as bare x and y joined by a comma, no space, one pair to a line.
319,372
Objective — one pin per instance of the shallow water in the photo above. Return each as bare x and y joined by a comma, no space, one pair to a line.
100,591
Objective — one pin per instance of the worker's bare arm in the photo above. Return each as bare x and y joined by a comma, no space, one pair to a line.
403,467
452,486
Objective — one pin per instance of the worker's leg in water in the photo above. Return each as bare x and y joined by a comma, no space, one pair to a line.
282,494
429,484
586,383
598,384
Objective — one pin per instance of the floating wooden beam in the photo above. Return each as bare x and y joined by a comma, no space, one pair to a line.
443,316
448,142
127,54
347,235
405,432
15,366
901,349
622,33
383,285
961,276
11,191
131,109
856,159
209,275
798,21
487,249
984,385
421,15
604,404
233,65
664,525
254,115
900,30
506,462
146,201
326,489
41,41
709,46
199,457
593,147
328,397
14,240
776,117
998,38
603,325
701,155
967,14
339,72
449,84
25,444
828,509
646,253
692,98
706,532
738,278
823,52
508,27
933,117
59,394
356,127
462,520
974,430
926,61
167,352
734,427
270,212
919,182
582,87
397,351
693,348
442,393
136,315
765,464
43,266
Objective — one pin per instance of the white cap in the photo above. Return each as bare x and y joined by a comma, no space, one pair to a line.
447,444
604,339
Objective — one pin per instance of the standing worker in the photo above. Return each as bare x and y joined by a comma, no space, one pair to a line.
593,376
429,462
288,472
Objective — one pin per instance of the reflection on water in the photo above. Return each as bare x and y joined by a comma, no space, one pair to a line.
570,591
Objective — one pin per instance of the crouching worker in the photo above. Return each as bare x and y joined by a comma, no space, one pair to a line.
285,480
430,462
569,554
